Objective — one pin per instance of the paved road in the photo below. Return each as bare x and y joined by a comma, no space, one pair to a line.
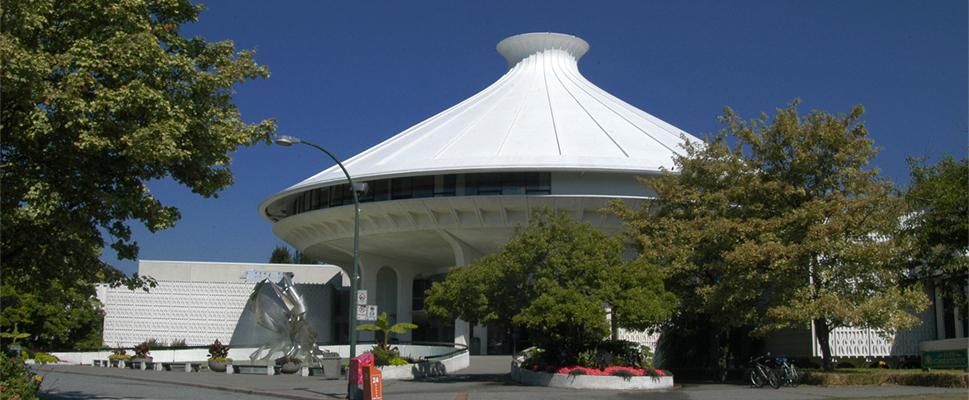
486,379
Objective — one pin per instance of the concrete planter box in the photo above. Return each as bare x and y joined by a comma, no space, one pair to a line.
427,368
533,378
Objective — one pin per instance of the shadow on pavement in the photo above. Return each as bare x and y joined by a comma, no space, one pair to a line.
77,395
504,379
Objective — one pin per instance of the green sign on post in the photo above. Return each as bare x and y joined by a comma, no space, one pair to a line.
955,359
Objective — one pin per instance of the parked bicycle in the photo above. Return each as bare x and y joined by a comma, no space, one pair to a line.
761,373
788,372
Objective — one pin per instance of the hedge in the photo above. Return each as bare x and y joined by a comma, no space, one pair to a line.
948,379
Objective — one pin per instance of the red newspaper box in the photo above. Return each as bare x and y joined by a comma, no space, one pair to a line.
373,384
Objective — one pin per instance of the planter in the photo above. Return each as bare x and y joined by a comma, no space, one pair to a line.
534,378
289,367
139,362
217,366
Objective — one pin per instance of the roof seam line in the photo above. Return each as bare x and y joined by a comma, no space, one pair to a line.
603,129
628,121
551,112
468,127
518,111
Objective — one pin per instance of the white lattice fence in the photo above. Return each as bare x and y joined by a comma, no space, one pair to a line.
641,337
198,312
858,342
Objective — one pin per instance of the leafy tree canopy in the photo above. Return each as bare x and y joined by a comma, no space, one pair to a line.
783,228
939,220
553,278
100,97
281,255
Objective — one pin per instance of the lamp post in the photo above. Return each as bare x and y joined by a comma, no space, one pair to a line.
355,277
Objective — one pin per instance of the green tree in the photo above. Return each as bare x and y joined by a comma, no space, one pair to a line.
786,227
637,296
937,225
99,98
281,255
552,278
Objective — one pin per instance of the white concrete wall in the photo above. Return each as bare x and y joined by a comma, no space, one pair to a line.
201,271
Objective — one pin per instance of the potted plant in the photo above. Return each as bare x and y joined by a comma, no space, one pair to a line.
141,352
383,354
118,357
141,355
218,356
288,364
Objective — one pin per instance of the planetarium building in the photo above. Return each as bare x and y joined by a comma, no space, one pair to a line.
455,186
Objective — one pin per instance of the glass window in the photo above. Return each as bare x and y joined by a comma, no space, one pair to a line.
488,184
381,190
512,183
423,186
445,185
401,188
315,199
338,195
538,183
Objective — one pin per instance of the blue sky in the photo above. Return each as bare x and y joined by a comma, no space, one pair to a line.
348,75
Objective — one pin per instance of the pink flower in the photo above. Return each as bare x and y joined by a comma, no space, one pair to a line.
660,372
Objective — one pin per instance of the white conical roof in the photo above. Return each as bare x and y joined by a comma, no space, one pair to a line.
541,115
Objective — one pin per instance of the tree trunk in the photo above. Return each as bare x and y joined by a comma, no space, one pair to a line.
723,360
823,332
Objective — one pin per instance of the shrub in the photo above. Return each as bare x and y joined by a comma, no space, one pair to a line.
881,377
218,351
16,381
44,358
154,343
119,354
398,361
625,373
588,359
178,344
623,353
383,356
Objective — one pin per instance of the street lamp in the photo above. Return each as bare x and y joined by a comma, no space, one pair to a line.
355,277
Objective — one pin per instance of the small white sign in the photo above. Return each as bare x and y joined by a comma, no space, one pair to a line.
372,313
361,297
362,312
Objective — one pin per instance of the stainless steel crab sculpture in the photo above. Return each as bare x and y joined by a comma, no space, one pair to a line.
280,308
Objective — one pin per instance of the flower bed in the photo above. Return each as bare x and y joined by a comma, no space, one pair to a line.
611,378
612,371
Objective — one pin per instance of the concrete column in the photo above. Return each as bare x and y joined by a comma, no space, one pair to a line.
481,334
405,297
462,332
